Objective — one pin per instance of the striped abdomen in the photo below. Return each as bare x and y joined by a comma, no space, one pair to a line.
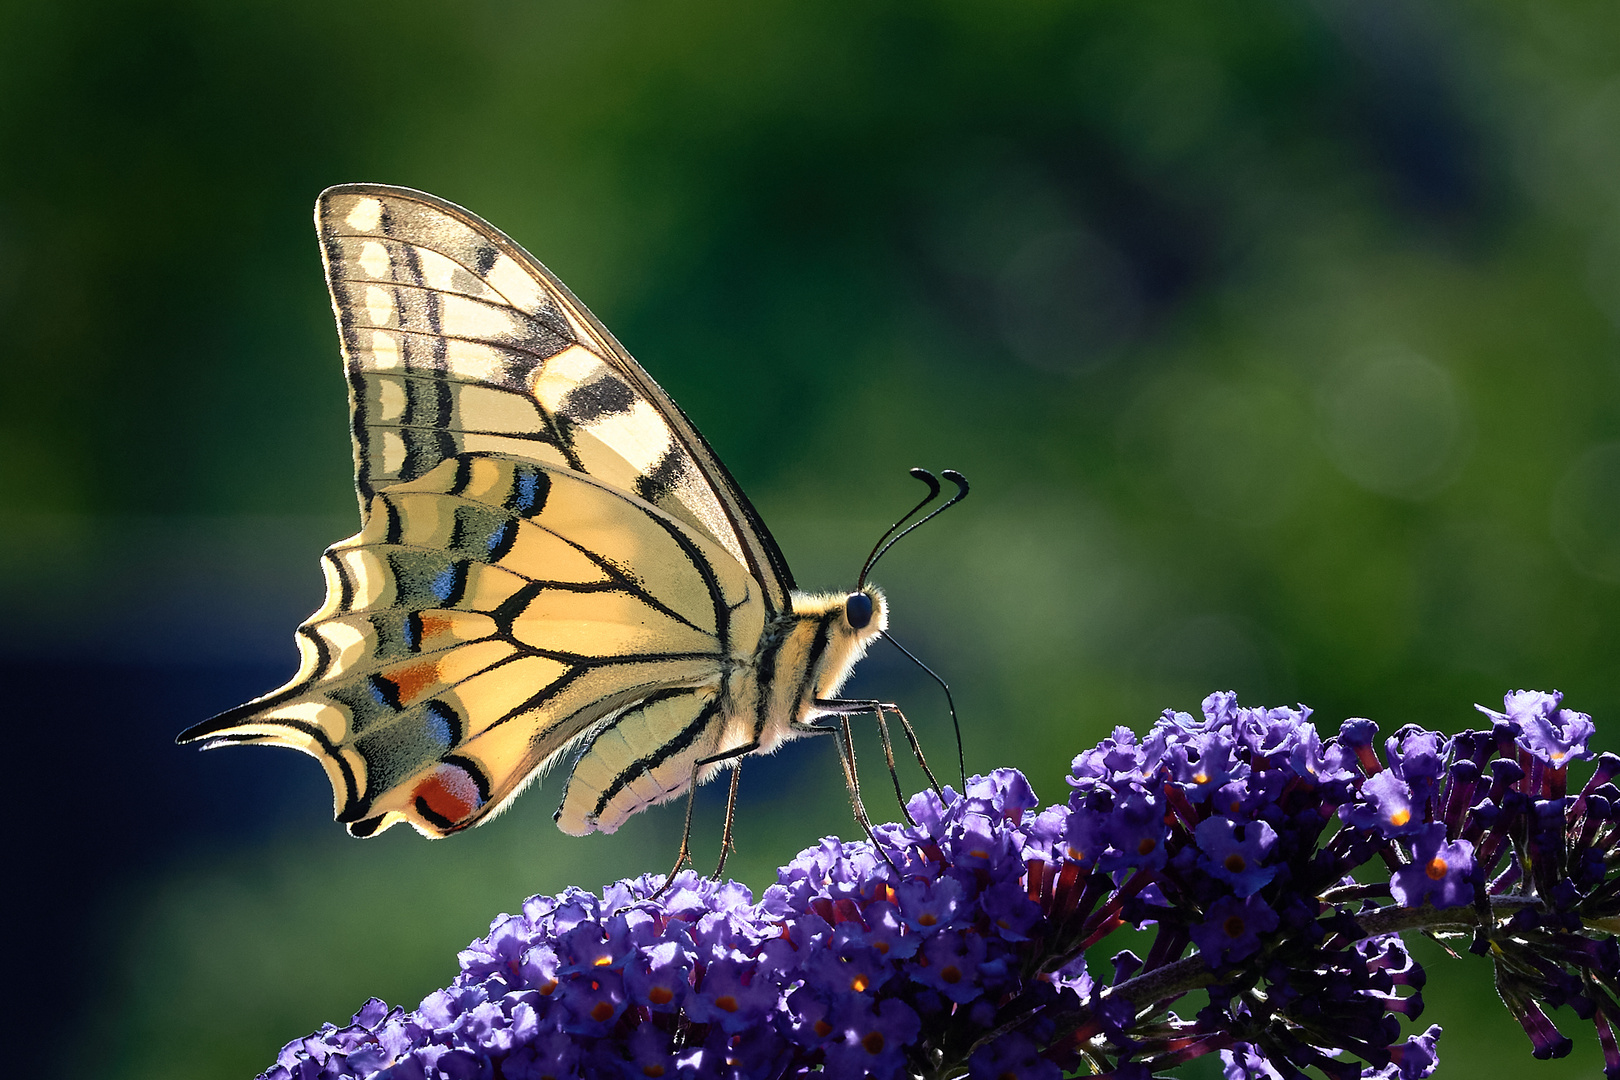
651,752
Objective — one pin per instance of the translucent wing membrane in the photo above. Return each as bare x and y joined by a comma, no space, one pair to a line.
456,339
486,620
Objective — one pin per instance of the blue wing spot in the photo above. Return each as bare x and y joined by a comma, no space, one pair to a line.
500,541
529,489
383,692
443,725
447,584
412,631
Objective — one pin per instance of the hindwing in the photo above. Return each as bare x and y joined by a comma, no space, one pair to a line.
492,613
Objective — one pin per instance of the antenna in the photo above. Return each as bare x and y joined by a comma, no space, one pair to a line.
890,538
933,493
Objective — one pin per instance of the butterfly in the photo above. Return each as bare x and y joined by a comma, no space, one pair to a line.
552,565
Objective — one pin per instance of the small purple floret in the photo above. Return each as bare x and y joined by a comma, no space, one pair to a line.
1231,930
1235,852
1440,872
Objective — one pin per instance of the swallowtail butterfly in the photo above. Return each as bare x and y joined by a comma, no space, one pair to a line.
552,566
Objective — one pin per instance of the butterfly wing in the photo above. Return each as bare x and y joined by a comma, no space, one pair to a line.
550,553
457,339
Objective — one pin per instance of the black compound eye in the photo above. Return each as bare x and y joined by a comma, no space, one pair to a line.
858,609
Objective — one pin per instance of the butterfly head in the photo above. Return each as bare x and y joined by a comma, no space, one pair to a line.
864,617
862,606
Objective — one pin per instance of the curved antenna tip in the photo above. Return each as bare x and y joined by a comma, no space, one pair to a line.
892,537
884,541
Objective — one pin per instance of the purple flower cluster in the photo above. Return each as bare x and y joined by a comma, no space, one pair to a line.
962,947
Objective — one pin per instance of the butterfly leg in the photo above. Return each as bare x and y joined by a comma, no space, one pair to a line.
888,756
735,755
888,746
843,707
684,856
726,846
852,782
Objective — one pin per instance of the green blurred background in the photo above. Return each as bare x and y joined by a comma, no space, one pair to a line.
1279,340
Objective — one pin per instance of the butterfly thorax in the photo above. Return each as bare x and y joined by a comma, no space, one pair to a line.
805,655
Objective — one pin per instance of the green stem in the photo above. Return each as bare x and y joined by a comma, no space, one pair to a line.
1192,973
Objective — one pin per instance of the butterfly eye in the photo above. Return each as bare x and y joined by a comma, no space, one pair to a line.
858,609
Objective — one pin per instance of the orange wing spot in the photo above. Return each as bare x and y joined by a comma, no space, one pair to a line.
433,626
449,793
412,680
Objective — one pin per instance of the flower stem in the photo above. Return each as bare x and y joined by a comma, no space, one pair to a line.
1193,973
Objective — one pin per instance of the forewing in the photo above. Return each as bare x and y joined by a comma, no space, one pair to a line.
493,612
455,339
